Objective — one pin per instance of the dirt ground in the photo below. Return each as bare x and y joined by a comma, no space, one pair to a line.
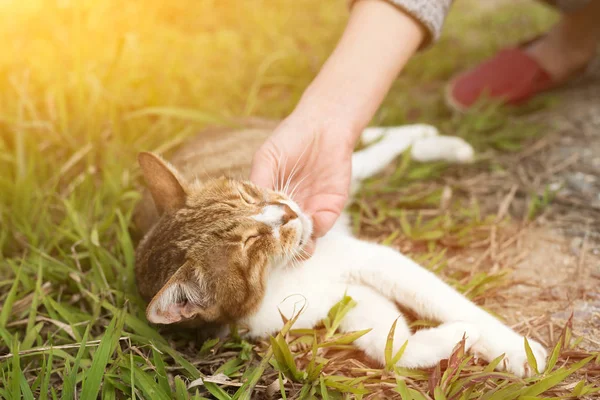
556,260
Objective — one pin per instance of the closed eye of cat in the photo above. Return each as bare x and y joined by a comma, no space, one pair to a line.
246,198
250,240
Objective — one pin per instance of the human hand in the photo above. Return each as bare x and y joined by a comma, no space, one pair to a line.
312,148
310,160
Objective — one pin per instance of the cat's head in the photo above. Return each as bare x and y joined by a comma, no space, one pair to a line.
208,255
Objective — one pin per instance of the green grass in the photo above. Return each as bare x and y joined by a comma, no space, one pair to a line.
88,84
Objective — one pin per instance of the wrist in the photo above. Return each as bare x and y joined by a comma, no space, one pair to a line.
375,46
324,103
325,122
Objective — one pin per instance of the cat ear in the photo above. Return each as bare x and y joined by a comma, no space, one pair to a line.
182,297
164,183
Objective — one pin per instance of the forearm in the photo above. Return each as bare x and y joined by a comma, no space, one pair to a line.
378,41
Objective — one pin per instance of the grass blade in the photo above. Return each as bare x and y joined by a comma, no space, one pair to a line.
530,357
70,380
10,299
94,376
555,378
217,391
402,389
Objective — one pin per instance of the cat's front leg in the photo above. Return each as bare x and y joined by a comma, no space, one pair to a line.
397,277
424,348
497,339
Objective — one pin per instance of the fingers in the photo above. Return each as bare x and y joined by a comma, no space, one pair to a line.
263,167
323,221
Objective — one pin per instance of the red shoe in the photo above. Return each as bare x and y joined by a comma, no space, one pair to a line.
512,77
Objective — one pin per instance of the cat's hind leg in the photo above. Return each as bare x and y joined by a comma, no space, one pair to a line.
394,140
412,132
424,349
427,145
442,148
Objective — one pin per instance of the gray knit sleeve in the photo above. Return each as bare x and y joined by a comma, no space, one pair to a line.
430,13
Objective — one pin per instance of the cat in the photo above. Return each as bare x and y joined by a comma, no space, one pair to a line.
224,250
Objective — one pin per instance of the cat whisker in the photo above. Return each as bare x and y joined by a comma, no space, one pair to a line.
303,255
273,178
295,169
280,173
276,173
278,158
302,251
297,185
291,256
280,188
299,254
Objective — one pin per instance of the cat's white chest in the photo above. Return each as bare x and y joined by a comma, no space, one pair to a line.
312,286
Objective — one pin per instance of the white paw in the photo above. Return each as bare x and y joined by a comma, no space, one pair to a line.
455,331
517,363
442,148
428,347
403,132
515,357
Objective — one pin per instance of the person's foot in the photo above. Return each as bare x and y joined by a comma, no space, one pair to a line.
511,77
564,51
516,75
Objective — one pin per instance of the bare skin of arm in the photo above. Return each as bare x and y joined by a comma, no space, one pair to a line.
312,147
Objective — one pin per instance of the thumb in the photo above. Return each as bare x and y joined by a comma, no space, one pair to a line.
323,221
263,169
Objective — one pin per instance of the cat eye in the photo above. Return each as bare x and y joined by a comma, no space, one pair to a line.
246,198
250,240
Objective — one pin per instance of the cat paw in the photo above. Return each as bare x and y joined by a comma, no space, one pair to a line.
515,357
517,363
403,133
428,347
442,148
455,331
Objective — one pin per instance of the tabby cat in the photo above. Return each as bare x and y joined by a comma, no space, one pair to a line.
222,250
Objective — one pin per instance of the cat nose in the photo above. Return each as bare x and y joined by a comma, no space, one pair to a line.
275,214
288,214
